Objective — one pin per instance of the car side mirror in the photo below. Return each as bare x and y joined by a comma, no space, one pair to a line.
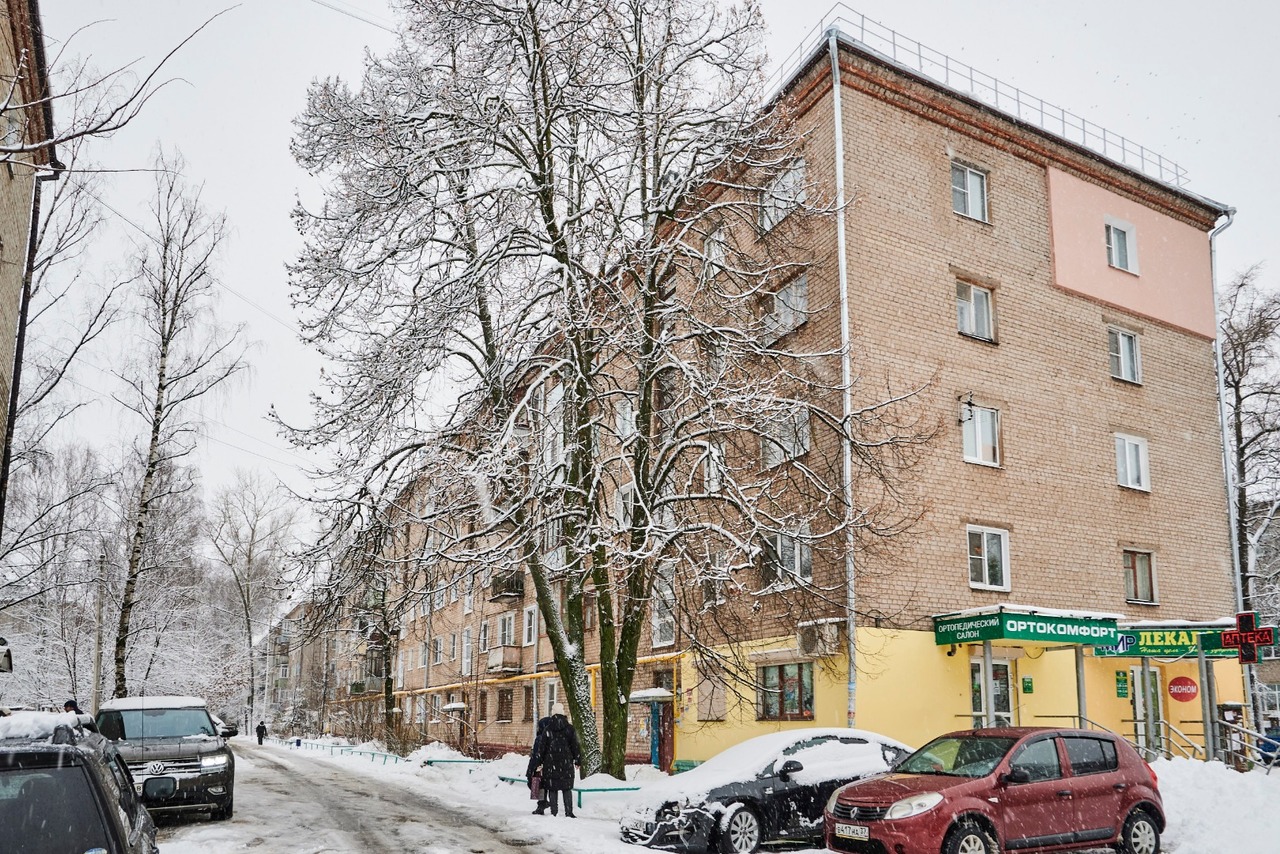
791,766
1015,776
224,731
159,788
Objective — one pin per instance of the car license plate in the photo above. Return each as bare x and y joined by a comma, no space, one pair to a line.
852,831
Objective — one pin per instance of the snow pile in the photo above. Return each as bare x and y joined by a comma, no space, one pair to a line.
35,724
1212,809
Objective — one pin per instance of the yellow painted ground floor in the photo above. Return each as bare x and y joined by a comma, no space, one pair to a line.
906,685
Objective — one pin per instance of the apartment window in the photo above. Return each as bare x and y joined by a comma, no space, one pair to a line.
784,193
1126,358
790,308
530,625
426,654
552,694
968,191
785,692
787,558
507,630
453,646
662,609
625,418
466,652
528,702
713,253
973,312
713,466
1139,579
506,704
625,505
981,428
785,438
282,670
712,693
484,636
437,650
988,558
1122,245
468,599
1132,469
713,583
482,702
439,597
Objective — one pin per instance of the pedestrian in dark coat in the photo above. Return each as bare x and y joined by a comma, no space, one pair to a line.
261,730
555,755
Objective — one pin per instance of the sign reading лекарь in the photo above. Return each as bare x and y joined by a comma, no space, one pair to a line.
1165,643
1029,627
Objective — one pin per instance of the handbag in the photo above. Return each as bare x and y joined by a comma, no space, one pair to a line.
535,787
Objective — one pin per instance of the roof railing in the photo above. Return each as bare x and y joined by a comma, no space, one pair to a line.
909,54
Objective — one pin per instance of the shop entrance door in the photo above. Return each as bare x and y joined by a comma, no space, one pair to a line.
1001,683
1144,694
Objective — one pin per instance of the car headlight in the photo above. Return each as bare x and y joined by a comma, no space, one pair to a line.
213,760
914,805
831,801
667,811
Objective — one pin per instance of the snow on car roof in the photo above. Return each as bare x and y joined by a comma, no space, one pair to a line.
159,701
746,760
34,725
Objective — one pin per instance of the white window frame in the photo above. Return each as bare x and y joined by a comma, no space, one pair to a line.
468,598
978,422
484,636
713,468
453,646
662,610
468,653
1133,594
437,650
1129,245
785,193
790,309
1124,362
794,553
966,182
625,418
529,626
968,316
713,252
624,505
786,438
986,534
1131,451
425,655
507,629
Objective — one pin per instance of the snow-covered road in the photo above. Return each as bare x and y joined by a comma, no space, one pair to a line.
287,802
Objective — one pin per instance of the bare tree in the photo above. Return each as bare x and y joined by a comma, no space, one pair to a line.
182,357
553,215
250,529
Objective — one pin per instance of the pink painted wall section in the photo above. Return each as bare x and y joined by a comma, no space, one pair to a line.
1174,283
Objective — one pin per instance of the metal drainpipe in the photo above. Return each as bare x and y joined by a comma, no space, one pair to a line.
846,379
1228,461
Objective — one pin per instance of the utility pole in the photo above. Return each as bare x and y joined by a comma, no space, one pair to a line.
97,633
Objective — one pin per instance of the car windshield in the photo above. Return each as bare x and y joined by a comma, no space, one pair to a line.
154,723
50,810
958,756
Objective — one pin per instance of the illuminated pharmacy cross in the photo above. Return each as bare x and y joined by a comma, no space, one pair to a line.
1247,637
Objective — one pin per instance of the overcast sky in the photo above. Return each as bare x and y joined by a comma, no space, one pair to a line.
1195,82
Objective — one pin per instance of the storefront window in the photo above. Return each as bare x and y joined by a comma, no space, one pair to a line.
785,692
1001,685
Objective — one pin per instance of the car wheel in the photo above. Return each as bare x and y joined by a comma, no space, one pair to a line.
222,813
969,838
1140,835
739,830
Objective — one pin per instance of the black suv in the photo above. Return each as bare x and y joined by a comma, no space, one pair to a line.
174,741
65,790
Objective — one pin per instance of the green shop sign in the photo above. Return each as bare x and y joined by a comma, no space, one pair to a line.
968,628
1165,643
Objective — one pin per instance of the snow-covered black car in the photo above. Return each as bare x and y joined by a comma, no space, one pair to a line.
173,739
65,789
769,788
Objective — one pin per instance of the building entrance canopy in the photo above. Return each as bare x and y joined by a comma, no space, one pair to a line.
1018,622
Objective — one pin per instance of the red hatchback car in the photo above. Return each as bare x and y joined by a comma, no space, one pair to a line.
1011,789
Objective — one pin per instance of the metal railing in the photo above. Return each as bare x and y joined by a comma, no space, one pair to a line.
1243,746
966,80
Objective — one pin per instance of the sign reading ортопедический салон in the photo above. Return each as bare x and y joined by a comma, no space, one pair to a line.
1003,625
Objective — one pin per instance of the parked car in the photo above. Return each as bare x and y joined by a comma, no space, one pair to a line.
65,789
226,730
769,788
1015,788
174,739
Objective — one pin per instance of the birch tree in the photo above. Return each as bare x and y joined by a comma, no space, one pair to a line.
557,279
182,358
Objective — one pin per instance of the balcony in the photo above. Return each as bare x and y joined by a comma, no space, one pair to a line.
507,586
504,659
357,688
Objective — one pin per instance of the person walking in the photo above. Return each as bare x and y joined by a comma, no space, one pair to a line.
555,755
261,730
72,706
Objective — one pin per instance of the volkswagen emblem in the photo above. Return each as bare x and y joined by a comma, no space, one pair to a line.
155,768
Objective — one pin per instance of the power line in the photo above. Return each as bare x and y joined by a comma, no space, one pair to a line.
359,16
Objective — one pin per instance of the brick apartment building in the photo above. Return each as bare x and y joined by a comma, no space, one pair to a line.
1054,306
